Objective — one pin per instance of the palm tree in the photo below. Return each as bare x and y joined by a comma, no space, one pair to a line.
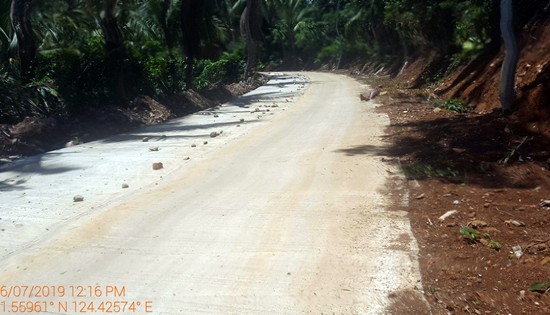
293,19
114,45
252,30
165,24
190,25
20,14
6,30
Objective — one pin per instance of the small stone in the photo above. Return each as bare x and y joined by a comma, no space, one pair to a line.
153,148
517,251
216,116
545,204
447,215
274,105
78,198
456,202
213,134
73,143
437,110
421,196
186,158
238,126
478,223
491,230
193,145
545,261
242,120
125,185
145,139
517,223
256,109
157,166
205,142
486,205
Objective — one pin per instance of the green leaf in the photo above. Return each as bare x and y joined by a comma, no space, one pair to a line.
469,232
540,286
495,245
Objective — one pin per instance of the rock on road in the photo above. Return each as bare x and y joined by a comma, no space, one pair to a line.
286,217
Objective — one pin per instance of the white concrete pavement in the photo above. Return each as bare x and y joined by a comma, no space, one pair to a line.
36,193
282,215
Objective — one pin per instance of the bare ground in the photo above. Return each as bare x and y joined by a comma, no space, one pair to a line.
487,257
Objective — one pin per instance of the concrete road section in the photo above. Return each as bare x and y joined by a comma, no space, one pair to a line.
272,204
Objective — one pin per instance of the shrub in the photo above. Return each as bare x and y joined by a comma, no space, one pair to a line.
228,68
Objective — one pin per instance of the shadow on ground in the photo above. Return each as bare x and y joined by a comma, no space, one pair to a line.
483,150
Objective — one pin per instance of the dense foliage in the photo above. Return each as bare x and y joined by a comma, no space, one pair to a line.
57,56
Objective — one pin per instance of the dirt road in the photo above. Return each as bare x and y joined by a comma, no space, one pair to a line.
286,218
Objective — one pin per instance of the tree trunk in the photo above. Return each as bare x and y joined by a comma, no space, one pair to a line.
252,29
20,16
340,39
251,62
114,46
509,65
168,37
112,34
190,27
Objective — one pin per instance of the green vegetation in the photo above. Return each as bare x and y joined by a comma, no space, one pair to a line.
57,56
473,236
420,171
541,286
455,105
494,245
469,233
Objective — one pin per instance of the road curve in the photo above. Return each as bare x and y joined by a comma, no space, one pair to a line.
287,218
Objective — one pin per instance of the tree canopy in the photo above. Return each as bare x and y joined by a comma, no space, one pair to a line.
57,56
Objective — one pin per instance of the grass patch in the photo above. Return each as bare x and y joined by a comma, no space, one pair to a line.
422,171
454,104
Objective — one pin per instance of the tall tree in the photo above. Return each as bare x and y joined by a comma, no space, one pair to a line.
20,15
190,28
114,45
253,32
164,21
112,33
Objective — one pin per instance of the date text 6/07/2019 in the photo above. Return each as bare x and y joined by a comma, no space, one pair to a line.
50,291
